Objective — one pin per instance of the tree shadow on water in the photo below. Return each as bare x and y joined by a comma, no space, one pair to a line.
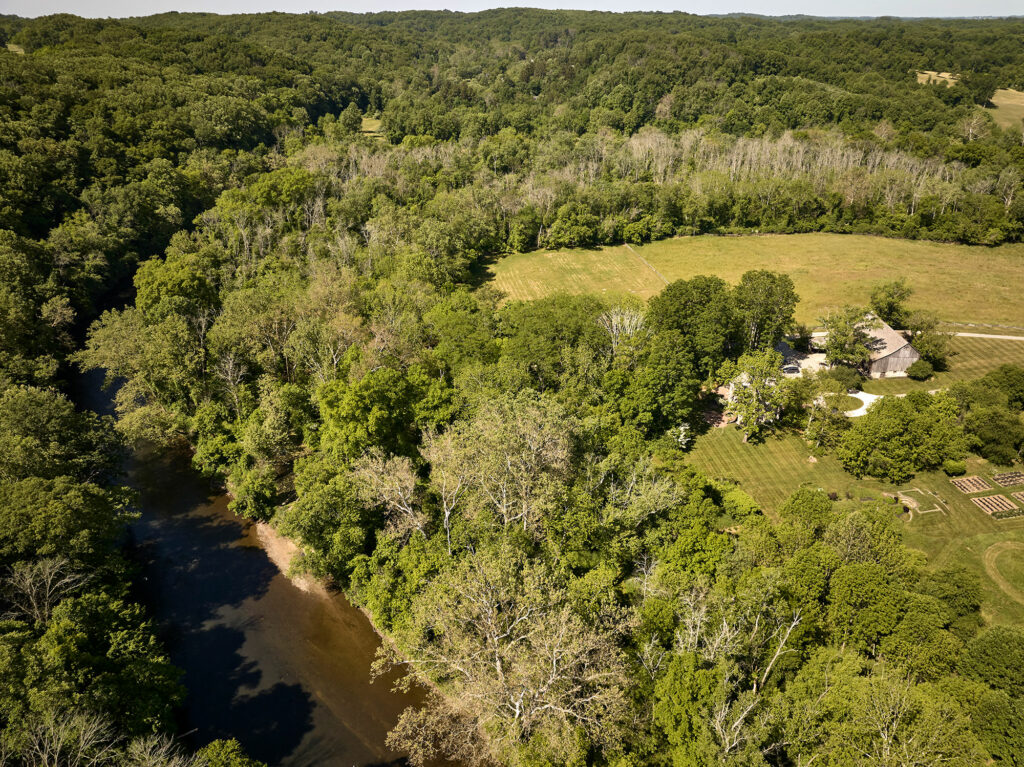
204,580
223,702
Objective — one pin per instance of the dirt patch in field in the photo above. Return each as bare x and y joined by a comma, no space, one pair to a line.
931,76
989,561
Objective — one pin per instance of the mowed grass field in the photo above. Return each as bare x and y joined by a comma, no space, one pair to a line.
961,283
1009,108
971,358
957,533
1007,104
769,471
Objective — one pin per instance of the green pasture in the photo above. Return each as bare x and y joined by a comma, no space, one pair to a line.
961,283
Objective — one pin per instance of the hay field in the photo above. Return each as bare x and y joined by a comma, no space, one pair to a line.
961,283
1008,104
1009,108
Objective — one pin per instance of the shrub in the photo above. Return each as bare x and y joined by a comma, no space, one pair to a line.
801,338
921,370
954,467
848,378
738,504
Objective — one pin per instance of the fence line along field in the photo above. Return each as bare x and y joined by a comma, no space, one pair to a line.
959,282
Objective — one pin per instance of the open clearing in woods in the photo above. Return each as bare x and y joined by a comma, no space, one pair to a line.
957,533
1007,104
961,283
1009,108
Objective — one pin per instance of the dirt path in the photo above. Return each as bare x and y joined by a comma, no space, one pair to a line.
989,335
989,561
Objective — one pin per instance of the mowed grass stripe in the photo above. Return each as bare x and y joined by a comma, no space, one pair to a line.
961,283
770,471
972,358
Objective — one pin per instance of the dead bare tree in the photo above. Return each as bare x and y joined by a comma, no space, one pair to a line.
520,446
745,636
1008,185
500,636
625,328
450,471
33,589
391,482
68,739
231,370
157,751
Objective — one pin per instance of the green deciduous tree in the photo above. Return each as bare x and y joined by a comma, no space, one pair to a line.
765,302
759,391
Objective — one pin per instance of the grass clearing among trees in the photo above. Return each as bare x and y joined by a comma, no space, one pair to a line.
1009,108
960,533
960,282
770,471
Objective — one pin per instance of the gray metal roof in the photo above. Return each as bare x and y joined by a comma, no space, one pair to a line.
885,340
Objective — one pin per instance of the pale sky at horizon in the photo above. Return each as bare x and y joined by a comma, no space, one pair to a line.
907,8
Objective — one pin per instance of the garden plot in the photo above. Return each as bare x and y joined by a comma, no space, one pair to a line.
991,504
970,485
1009,479
1018,496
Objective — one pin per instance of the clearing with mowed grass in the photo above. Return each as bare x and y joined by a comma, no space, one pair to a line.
1008,109
961,283
1007,104
946,525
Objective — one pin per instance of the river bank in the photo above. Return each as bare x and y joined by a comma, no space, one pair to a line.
281,665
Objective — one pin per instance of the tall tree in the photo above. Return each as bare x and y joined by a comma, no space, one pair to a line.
765,302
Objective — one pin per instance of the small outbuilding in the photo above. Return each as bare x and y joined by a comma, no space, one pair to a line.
891,352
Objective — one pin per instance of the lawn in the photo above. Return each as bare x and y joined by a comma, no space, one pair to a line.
961,283
769,471
971,358
958,533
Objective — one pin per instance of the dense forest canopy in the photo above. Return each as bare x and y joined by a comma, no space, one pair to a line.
201,207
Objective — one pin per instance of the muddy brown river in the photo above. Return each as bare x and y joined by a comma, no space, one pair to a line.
281,666
284,667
